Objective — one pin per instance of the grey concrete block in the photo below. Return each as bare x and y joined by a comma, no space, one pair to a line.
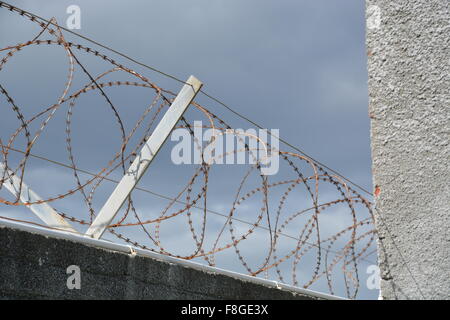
33,266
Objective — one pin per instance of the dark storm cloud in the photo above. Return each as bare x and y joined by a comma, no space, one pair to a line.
296,65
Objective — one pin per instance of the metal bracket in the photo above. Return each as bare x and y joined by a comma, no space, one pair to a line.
145,157
43,210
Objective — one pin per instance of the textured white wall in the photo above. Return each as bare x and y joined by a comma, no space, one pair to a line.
408,43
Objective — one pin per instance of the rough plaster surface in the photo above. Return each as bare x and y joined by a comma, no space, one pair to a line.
34,266
409,83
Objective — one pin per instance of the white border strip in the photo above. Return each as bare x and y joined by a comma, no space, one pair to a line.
145,253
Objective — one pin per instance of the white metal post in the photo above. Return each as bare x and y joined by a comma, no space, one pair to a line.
43,210
145,157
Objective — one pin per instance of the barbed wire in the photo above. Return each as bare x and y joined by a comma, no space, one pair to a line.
305,180
217,100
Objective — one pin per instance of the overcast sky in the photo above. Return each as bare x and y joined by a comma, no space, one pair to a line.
294,65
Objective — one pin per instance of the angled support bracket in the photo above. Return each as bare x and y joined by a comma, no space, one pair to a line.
145,157
43,210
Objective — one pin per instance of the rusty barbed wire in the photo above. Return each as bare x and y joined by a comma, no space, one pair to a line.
309,200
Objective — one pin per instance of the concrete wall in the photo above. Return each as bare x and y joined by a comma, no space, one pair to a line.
409,83
33,266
